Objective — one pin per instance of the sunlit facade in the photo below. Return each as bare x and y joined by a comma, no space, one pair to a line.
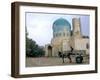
66,36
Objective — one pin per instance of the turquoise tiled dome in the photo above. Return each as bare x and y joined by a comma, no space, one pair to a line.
61,24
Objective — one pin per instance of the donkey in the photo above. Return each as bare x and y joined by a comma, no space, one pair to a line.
62,55
68,55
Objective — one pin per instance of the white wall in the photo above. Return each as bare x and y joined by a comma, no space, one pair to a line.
81,44
5,40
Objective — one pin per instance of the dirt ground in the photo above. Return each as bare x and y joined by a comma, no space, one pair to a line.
51,61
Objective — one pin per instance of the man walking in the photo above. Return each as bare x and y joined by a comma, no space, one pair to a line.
69,55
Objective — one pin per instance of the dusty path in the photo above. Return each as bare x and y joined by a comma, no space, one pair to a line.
50,61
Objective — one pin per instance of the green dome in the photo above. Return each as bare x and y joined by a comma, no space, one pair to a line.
61,24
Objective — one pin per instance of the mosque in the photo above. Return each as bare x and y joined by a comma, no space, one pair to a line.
66,36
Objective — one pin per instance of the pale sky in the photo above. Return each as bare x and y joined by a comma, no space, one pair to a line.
39,25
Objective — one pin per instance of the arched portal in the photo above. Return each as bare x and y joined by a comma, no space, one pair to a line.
49,51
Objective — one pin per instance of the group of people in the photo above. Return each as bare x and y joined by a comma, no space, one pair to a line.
79,58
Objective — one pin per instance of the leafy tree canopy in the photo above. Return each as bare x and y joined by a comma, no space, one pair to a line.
33,49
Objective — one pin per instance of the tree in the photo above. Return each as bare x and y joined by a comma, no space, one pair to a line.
33,49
